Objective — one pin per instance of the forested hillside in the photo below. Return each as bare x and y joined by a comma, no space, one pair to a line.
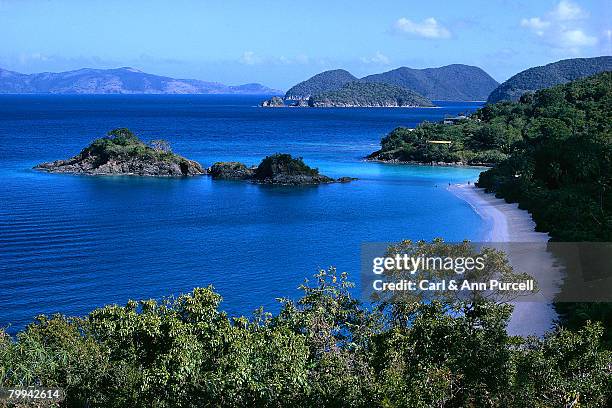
361,94
559,72
456,82
560,168
323,82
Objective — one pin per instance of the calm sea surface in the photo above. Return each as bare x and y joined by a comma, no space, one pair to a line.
71,243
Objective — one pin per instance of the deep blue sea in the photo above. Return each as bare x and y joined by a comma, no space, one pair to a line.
71,243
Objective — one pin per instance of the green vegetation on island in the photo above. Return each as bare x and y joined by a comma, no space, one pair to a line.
121,152
468,142
363,94
323,82
282,166
327,349
279,168
230,171
542,77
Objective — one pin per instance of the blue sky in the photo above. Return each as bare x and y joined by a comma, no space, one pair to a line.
279,43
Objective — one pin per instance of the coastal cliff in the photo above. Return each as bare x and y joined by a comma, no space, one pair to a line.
120,152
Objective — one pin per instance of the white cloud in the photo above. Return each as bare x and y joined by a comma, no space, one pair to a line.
567,11
428,28
378,59
250,58
536,24
562,28
577,38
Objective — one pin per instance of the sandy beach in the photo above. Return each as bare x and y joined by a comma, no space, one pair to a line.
526,253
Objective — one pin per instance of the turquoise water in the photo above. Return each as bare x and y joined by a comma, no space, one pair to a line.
71,243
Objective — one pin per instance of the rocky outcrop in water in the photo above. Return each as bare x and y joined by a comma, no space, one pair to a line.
346,179
122,153
274,102
231,171
279,169
284,169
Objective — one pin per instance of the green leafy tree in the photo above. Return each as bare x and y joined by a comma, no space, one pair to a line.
325,349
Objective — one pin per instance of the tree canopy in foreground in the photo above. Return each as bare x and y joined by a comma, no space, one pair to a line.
326,349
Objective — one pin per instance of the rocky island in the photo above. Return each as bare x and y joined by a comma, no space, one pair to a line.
356,94
279,169
120,152
231,171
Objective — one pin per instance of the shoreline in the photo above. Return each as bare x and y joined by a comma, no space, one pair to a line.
507,222
354,107
431,164
526,249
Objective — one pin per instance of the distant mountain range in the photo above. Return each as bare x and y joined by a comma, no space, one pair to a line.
455,82
549,75
117,81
